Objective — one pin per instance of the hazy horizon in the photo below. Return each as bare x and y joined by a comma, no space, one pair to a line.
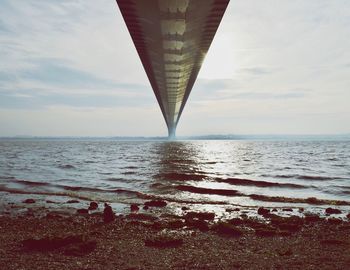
69,68
247,137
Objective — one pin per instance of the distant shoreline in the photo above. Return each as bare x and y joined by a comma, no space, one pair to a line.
267,137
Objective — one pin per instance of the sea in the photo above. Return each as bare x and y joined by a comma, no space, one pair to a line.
206,173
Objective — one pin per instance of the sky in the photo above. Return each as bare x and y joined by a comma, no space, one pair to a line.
69,68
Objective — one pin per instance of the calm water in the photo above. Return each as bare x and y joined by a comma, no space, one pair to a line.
208,172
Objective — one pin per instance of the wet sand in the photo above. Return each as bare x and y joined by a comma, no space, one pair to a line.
43,238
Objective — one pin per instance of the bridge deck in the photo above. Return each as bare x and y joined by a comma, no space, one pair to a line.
172,38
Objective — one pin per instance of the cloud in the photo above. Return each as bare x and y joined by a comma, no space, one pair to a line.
271,62
256,70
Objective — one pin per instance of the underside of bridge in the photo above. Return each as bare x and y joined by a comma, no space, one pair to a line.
172,38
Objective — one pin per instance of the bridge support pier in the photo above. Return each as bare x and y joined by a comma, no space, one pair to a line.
171,133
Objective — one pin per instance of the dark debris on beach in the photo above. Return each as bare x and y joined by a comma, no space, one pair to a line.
101,239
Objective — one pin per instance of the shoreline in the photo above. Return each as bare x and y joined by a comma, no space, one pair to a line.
45,237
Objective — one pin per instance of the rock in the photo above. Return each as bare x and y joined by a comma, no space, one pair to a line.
75,245
227,229
265,232
287,209
289,227
163,241
72,201
263,211
93,206
274,210
157,226
185,208
81,249
199,224
334,221
145,207
312,218
312,200
108,214
134,207
156,203
29,201
140,216
82,211
301,209
47,244
175,224
348,216
290,224
235,221
200,215
331,211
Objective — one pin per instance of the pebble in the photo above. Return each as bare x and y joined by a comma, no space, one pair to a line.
331,211
263,211
93,206
156,203
134,207
200,215
108,214
29,201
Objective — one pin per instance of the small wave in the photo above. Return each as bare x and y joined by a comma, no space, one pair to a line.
46,193
310,177
7,178
311,200
247,182
130,167
339,165
78,190
199,190
177,161
31,183
70,188
66,166
301,177
115,179
181,176
333,159
89,161
210,162
128,173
